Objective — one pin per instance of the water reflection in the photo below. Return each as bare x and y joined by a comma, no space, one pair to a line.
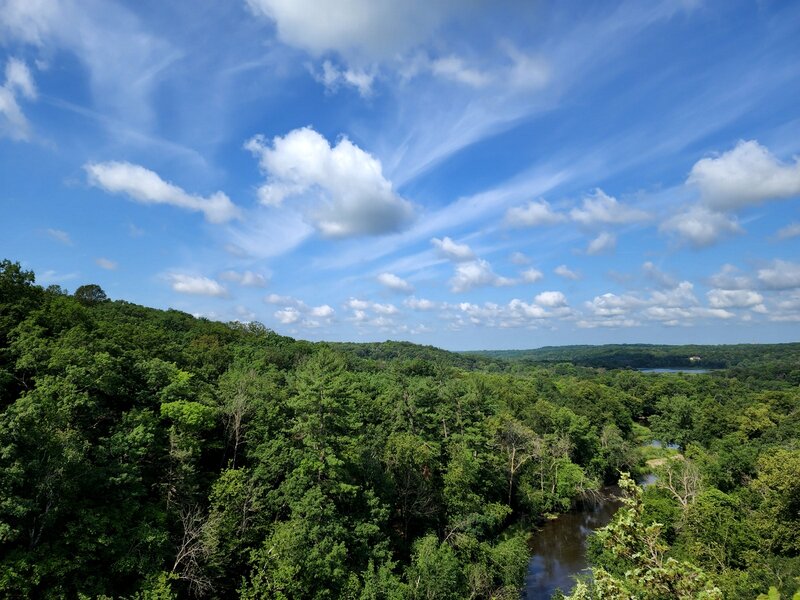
559,548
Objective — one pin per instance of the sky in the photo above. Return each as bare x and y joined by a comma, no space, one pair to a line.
462,173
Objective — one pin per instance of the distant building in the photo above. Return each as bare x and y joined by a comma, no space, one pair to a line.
694,359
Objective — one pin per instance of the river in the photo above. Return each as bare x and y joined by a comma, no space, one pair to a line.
559,547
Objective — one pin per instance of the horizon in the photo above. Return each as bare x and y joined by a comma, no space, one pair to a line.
460,175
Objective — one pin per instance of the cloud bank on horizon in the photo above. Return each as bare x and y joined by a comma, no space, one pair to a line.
466,174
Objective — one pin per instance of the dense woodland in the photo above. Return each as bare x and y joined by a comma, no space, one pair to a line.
149,454
636,356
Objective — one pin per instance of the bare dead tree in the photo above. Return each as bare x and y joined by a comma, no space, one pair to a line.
681,478
192,551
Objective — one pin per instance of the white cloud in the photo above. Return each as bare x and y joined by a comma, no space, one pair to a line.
612,305
245,278
333,77
60,236
531,275
551,299
395,283
105,263
200,286
792,230
680,295
747,174
420,304
147,187
729,278
734,298
601,209
516,313
102,36
533,214
700,226
384,309
18,82
288,315
296,311
566,272
605,242
324,311
672,307
453,250
357,29
357,304
781,275
344,188
476,273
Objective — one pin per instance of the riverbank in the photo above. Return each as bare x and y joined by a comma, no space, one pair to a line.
559,546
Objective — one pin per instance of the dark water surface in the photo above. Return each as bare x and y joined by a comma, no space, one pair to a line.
559,548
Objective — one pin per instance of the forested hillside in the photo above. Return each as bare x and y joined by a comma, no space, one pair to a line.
149,454
644,356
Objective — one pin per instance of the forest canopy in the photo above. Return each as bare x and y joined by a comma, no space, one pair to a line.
149,454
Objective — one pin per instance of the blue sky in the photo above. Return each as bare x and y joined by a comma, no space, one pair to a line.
467,174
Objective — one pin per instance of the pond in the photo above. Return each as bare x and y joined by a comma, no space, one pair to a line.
559,548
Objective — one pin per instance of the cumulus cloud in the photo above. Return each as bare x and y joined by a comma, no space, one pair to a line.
531,275
605,242
612,305
245,278
566,272
395,283
357,29
733,298
373,314
517,313
420,304
533,214
18,83
287,316
700,226
748,174
295,311
195,285
672,307
452,250
104,263
551,299
730,278
476,273
601,209
343,188
780,275
324,311
147,187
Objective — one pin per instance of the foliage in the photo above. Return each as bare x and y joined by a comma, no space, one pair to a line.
149,454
